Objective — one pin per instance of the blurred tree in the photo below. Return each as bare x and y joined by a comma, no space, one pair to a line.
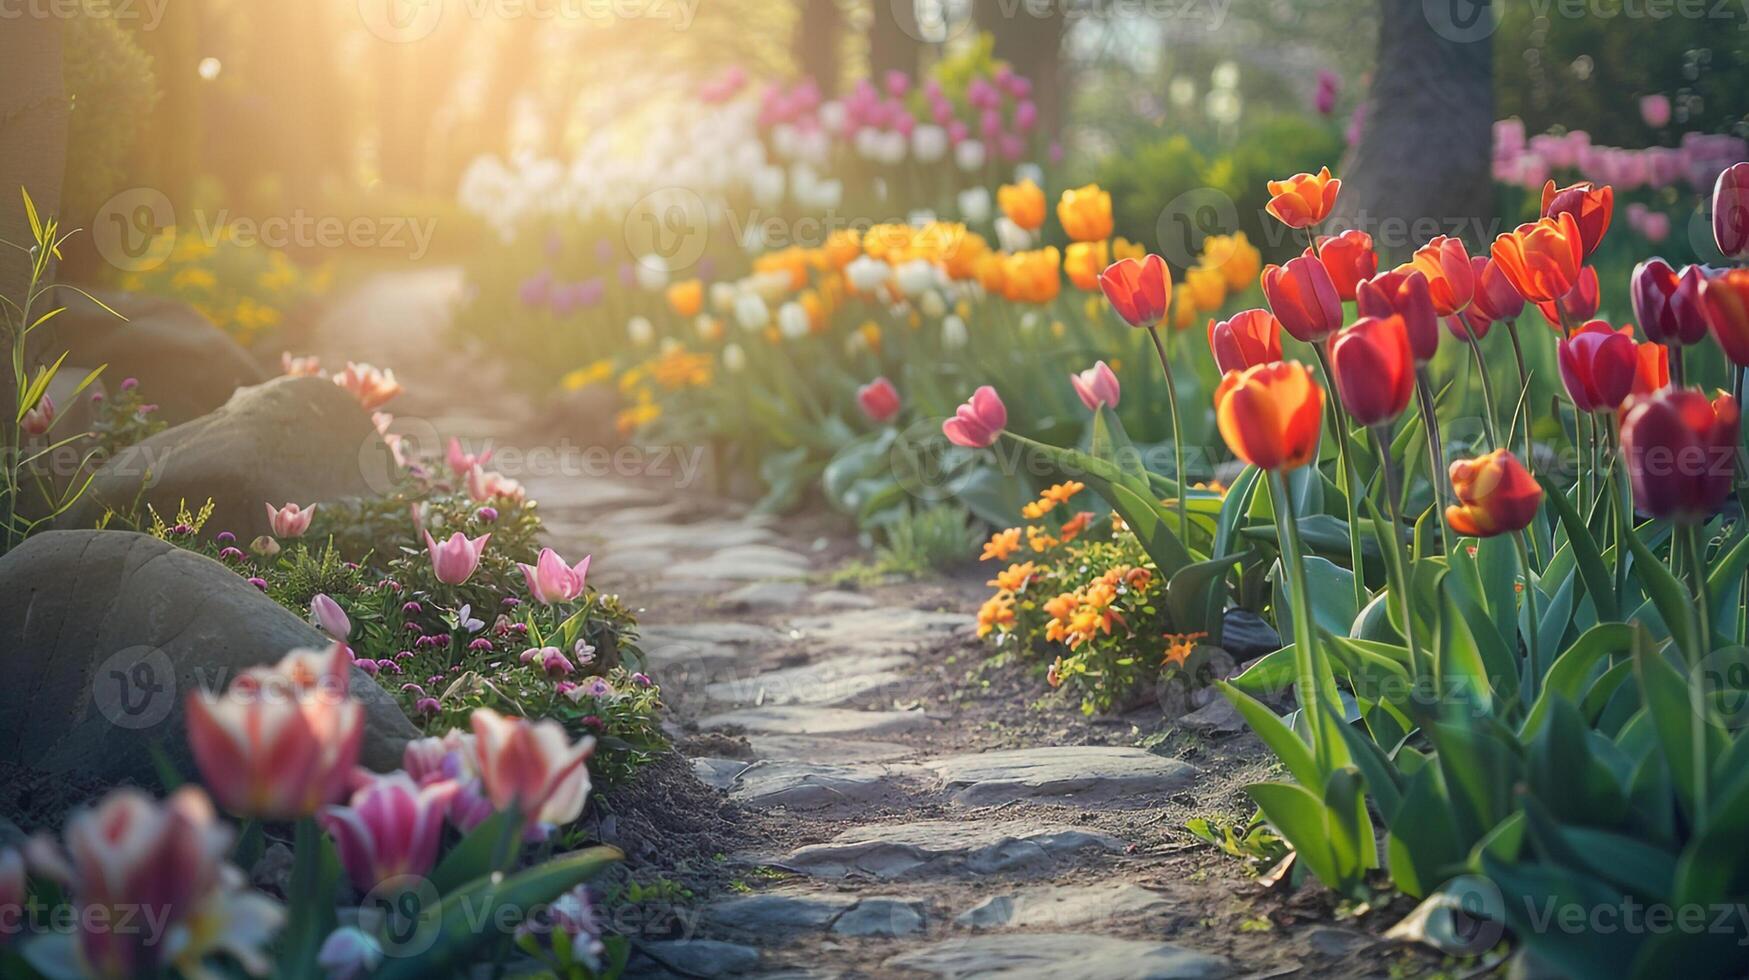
33,129
895,40
1029,36
816,43
1423,160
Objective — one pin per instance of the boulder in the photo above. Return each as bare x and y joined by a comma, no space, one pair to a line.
185,364
303,440
102,636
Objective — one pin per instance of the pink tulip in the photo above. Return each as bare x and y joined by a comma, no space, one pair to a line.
450,758
300,367
165,862
484,485
282,740
327,614
979,421
533,765
1655,110
38,420
372,387
461,463
11,893
879,400
454,560
290,521
1096,386
551,581
390,828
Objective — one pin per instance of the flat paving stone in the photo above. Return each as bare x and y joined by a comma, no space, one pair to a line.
1077,774
764,596
701,536
834,680
880,916
718,773
795,719
819,748
724,631
1060,906
779,914
840,599
943,846
881,629
747,563
1052,956
702,957
813,786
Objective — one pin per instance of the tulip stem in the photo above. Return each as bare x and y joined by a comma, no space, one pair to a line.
1524,383
1350,481
1177,434
1306,675
1435,446
1487,385
1381,435
1703,636
1533,676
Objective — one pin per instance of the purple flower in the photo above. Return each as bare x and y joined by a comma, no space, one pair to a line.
512,601
225,537
641,679
129,384
368,666
426,706
231,554
412,608
487,514
480,644
259,583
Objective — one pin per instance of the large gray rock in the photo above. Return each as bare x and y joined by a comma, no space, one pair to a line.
1075,774
303,440
185,364
104,633
1061,906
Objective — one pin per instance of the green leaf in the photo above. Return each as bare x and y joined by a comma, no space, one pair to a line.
310,900
1421,846
493,846
1302,819
1270,674
1196,595
1294,753
1672,599
1586,556
1575,668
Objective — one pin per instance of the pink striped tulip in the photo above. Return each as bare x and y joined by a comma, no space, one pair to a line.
1096,386
282,740
373,387
390,828
978,422
484,485
453,561
327,614
532,765
290,521
551,581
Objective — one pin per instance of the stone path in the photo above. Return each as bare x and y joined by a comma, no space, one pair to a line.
898,838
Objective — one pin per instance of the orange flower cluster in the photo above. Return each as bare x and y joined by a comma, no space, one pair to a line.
1080,615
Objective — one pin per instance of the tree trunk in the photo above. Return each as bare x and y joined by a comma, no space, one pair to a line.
895,41
33,130
1422,166
816,42
1033,46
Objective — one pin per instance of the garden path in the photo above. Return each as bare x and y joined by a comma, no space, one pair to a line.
914,813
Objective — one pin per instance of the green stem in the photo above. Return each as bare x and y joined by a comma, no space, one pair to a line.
1534,676
1306,686
1345,468
1524,384
1489,407
1697,574
1703,643
1435,447
1398,554
1177,434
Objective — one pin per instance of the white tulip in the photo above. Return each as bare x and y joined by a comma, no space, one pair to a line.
953,333
914,277
1011,237
1029,321
652,273
928,143
868,144
771,286
867,273
705,326
792,320
723,297
920,217
1029,171
969,155
932,305
751,312
767,184
640,330
832,116
734,358
975,205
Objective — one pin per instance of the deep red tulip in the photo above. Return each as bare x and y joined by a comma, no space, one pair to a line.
1450,280
1495,299
1598,365
1349,258
1681,452
1138,290
1725,297
1579,305
1731,211
1304,298
1591,207
1403,292
1495,494
1374,369
1541,259
1250,338
1668,305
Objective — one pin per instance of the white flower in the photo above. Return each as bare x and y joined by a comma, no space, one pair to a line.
751,312
640,330
920,218
893,147
792,320
704,325
928,143
953,333
932,305
867,143
771,286
767,184
753,239
974,205
652,273
832,116
867,273
914,277
1011,237
734,358
1024,172
723,297
969,155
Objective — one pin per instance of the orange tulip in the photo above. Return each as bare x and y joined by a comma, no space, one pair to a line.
1374,369
1450,280
1270,415
843,246
1303,200
1139,291
1085,213
1541,259
1032,277
686,298
1591,207
1495,493
1725,298
1083,262
1653,374
1023,203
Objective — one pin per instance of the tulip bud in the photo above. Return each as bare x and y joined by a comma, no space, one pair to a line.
1349,258
1096,386
1303,200
1668,306
1495,495
1374,369
1731,211
1590,206
40,418
1681,453
453,561
978,422
879,400
327,614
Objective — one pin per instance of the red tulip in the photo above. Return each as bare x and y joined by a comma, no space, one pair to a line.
979,421
1681,452
1495,494
1450,280
1374,369
1140,291
1598,366
1271,415
1725,297
1541,259
1250,338
1652,371
1349,258
1591,207
1403,292
879,400
1667,305
1304,298
1731,211
1096,386
1495,299
1578,306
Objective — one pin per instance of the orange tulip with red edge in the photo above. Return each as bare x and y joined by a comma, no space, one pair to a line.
1138,290
1270,415
1083,262
1303,200
1495,495
1578,306
1022,203
1085,213
1541,259
1374,369
1681,453
1725,297
1591,207
1652,373
1248,339
1450,280
1349,258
